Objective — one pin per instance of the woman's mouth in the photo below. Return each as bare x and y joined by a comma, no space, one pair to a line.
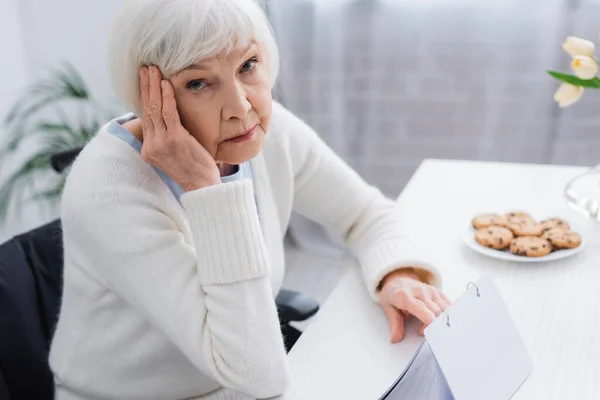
243,136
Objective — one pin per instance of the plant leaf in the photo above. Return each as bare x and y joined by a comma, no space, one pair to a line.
71,83
64,83
593,83
87,132
52,129
13,188
5,202
11,146
55,144
13,112
52,194
12,193
24,109
82,133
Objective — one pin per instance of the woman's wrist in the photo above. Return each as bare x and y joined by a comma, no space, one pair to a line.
197,184
190,187
419,274
401,272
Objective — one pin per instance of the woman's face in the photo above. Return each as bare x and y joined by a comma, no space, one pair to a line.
224,97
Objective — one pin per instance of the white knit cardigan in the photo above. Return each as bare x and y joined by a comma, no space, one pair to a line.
164,300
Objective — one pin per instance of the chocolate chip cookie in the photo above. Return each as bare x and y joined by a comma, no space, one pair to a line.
551,223
564,239
494,237
525,228
530,246
518,217
547,234
485,220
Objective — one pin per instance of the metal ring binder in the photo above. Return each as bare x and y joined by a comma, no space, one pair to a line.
448,315
447,318
473,283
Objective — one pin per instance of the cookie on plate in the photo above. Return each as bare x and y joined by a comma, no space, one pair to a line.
485,220
564,239
530,246
494,237
548,233
518,217
525,228
551,223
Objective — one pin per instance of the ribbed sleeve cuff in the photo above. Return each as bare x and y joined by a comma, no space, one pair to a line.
229,242
383,258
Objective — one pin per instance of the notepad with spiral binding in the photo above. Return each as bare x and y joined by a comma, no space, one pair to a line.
472,351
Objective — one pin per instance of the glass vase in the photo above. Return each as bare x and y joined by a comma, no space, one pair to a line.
583,193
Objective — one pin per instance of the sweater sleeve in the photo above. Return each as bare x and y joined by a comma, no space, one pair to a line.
331,193
213,301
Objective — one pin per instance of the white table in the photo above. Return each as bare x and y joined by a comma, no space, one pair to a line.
346,354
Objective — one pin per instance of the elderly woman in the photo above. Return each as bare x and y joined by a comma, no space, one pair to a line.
174,217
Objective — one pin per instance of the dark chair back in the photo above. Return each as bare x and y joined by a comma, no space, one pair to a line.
31,268
60,161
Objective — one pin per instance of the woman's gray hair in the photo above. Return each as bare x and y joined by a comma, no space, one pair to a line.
173,34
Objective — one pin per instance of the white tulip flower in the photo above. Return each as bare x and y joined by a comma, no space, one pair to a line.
576,46
568,94
584,67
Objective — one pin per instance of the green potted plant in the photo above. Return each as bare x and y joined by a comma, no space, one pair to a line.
40,124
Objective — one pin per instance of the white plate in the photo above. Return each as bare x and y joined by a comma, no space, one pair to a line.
469,241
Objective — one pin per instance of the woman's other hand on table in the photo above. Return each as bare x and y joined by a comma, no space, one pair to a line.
403,294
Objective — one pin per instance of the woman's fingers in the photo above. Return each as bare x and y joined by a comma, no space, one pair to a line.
441,300
432,305
147,127
446,299
169,107
420,310
396,320
408,296
155,104
437,303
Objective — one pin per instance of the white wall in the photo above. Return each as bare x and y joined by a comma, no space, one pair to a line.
37,34
73,30
13,67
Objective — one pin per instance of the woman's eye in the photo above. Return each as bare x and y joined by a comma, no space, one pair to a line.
196,85
249,65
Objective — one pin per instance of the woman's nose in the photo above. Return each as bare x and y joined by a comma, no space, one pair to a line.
236,104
